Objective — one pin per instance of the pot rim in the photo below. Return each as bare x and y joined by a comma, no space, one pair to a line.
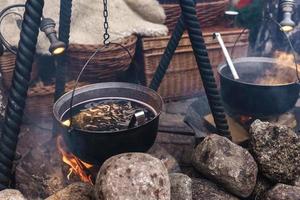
120,84
252,59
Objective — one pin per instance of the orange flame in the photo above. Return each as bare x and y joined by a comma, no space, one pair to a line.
244,119
77,166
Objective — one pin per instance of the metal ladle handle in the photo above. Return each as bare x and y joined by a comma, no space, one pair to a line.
227,56
138,118
286,36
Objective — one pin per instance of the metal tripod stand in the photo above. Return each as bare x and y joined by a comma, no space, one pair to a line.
25,57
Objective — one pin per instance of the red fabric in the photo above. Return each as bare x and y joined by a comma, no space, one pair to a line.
243,3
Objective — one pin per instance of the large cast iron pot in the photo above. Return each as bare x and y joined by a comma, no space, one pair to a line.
245,98
95,147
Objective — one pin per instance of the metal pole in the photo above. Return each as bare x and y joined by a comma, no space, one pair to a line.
60,61
168,54
64,35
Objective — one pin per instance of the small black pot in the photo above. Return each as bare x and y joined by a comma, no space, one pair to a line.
95,147
244,98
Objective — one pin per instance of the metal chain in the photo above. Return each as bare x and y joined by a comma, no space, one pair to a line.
105,24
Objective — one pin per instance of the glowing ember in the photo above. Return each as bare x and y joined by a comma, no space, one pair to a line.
244,119
77,166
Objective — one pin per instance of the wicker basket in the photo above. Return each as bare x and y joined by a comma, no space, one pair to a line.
208,13
182,78
103,67
7,65
106,64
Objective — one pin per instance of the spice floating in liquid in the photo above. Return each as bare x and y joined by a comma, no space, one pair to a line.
107,115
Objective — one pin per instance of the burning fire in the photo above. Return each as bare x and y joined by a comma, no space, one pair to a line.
77,166
244,119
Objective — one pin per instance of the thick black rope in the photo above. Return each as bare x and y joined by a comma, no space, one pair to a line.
64,35
18,90
204,66
168,54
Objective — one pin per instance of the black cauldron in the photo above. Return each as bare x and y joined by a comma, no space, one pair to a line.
95,147
241,97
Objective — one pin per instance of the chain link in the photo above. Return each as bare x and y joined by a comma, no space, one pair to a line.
105,24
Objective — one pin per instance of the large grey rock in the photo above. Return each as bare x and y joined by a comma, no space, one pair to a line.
133,176
181,187
297,182
283,192
277,151
191,172
261,188
10,194
227,163
206,190
75,191
169,161
180,147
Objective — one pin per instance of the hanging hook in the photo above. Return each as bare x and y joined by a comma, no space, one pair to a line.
106,35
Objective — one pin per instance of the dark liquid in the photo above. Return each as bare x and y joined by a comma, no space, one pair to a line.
108,114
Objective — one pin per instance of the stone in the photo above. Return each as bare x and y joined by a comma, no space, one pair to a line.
283,192
190,171
133,176
276,149
169,161
180,147
297,182
226,163
261,188
181,187
204,190
10,194
75,191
